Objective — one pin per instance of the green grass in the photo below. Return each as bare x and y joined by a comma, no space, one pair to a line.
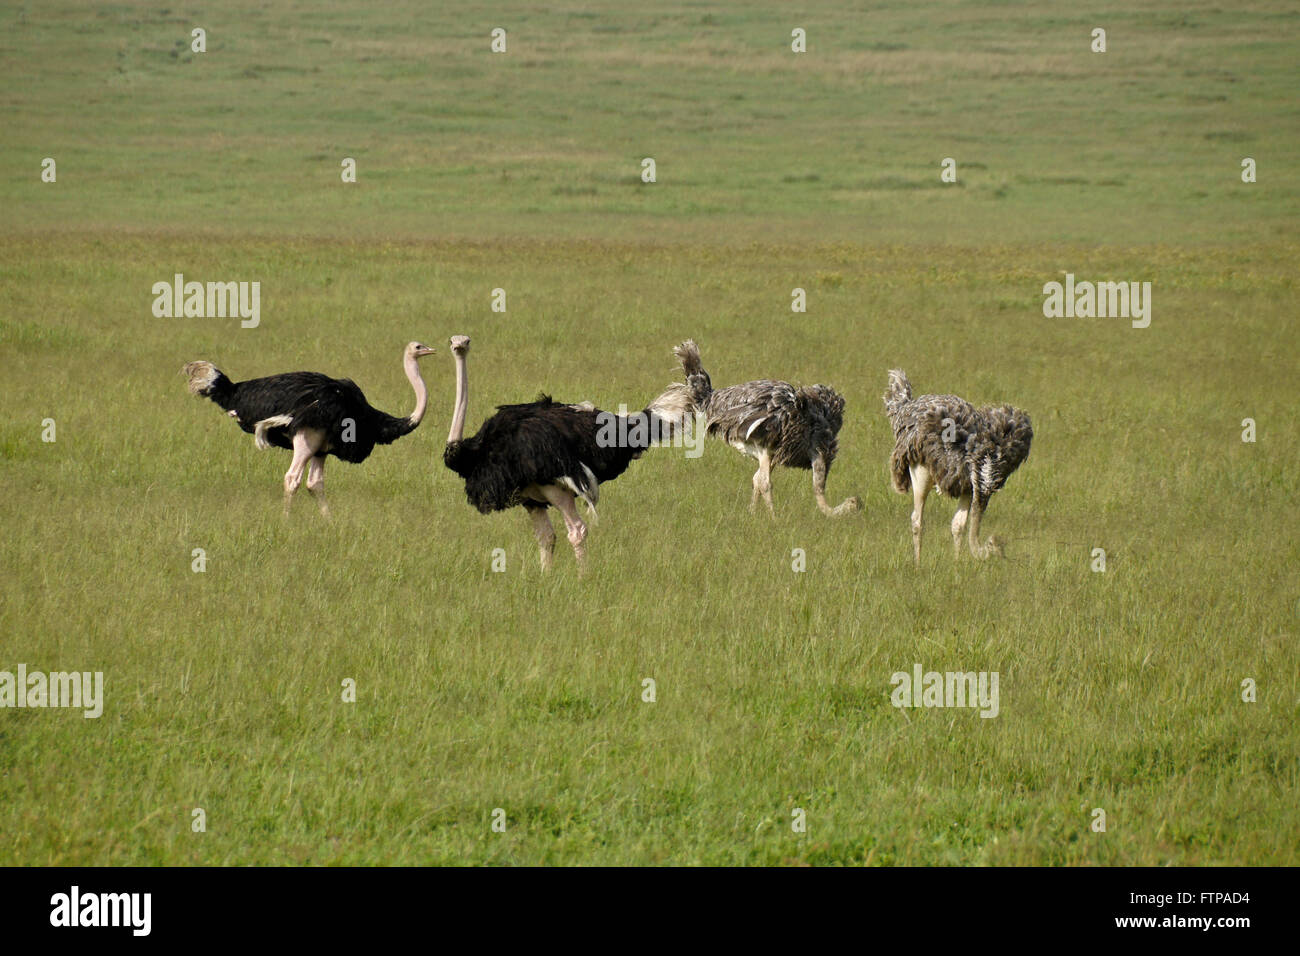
479,690
1052,142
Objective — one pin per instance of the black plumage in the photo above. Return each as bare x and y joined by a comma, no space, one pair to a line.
542,443
542,455
311,415
309,400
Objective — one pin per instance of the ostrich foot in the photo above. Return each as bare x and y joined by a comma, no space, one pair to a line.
847,507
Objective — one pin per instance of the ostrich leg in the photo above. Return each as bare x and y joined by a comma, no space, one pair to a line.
920,489
763,483
990,547
316,482
959,523
819,471
302,453
545,534
566,504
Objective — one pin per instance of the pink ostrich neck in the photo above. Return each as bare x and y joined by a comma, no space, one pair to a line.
462,401
421,393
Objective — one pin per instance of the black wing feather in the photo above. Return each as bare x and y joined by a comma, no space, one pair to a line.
537,443
335,406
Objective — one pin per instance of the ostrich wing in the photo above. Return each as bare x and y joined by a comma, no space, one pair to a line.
307,400
292,394
539,443
329,403
960,444
750,411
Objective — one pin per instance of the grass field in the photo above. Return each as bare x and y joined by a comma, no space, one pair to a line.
479,690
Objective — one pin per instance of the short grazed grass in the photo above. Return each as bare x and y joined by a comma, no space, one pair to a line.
479,690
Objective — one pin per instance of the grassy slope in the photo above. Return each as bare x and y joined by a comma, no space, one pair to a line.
481,690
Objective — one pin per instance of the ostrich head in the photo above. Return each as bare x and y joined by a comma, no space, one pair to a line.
418,350
459,344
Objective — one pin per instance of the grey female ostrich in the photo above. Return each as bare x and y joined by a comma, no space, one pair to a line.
543,454
773,422
964,451
311,414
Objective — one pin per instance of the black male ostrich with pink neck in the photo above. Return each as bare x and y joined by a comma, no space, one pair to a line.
545,454
312,415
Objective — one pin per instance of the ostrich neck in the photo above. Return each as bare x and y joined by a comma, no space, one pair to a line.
421,392
462,401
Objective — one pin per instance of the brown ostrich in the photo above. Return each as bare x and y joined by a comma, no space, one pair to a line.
944,442
774,422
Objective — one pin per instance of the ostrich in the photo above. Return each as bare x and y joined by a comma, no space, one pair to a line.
773,422
311,414
544,454
966,452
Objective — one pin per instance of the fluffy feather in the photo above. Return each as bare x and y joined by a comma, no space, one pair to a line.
795,424
981,450
774,422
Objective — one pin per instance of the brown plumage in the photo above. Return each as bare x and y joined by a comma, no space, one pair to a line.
773,422
967,453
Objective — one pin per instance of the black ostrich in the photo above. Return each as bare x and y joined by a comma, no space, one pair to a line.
775,423
968,453
311,414
544,454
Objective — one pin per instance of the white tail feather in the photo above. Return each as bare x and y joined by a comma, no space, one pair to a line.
589,491
259,430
